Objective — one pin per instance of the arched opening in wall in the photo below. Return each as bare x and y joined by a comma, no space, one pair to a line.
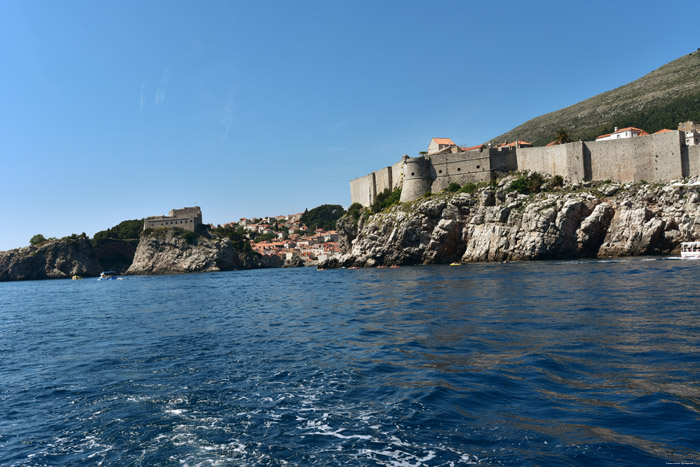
459,169
440,171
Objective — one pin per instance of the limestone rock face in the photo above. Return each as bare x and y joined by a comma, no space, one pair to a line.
495,224
168,252
57,259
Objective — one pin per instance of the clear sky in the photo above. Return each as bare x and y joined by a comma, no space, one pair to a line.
121,110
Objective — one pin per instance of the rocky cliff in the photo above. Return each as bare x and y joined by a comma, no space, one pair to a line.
169,251
56,259
497,223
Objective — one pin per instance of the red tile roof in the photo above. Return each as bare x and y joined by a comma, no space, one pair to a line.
472,148
444,141
665,130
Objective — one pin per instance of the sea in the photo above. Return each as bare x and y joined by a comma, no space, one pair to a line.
592,362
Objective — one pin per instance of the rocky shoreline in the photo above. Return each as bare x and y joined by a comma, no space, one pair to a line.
493,223
497,223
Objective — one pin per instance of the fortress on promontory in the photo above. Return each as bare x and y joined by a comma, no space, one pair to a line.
626,155
185,218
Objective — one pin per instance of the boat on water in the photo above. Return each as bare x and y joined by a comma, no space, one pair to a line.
107,276
455,264
690,250
77,278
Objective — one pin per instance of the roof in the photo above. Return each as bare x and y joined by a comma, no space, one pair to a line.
665,130
444,141
514,143
472,148
632,129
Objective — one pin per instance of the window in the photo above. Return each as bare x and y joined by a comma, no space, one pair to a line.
478,166
440,171
459,169
412,173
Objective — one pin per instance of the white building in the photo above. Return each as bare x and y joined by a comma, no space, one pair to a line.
629,132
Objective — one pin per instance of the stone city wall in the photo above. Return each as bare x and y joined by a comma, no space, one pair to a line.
461,167
566,160
661,157
363,190
416,178
693,158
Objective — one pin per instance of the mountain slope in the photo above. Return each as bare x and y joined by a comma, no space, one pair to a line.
661,99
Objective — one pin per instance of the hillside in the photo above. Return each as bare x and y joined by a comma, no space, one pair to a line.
661,99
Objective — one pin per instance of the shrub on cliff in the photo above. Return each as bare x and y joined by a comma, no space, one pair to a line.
453,187
237,237
527,184
355,210
37,239
385,199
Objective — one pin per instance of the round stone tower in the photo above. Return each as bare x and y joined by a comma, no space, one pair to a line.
416,178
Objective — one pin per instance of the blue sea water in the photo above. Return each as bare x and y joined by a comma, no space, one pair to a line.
542,363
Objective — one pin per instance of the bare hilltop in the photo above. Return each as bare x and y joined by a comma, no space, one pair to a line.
658,100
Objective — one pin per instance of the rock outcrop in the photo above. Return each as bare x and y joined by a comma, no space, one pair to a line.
168,251
55,259
497,224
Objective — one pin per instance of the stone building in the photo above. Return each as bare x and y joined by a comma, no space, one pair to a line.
185,218
661,157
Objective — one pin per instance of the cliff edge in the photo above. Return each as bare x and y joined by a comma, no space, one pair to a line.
55,259
500,223
173,251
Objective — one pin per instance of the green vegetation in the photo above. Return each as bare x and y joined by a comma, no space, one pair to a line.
355,210
386,199
453,187
325,216
37,240
651,120
527,184
562,136
237,237
125,230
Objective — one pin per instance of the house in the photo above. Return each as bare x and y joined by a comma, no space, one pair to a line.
438,144
691,131
629,132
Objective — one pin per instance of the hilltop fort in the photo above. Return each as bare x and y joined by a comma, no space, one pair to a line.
626,155
185,218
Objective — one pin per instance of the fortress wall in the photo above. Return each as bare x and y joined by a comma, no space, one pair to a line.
462,167
383,179
363,190
693,160
624,160
668,157
563,159
416,180
503,161
187,224
397,174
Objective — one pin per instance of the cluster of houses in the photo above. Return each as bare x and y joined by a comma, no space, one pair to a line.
690,129
287,237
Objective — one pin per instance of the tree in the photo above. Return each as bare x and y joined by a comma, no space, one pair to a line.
562,136
324,216
37,239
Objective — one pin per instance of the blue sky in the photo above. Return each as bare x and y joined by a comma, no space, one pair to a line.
121,110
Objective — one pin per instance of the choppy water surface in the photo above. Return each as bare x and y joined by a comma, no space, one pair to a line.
552,363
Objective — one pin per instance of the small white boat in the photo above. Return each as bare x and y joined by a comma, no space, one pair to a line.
107,276
690,250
